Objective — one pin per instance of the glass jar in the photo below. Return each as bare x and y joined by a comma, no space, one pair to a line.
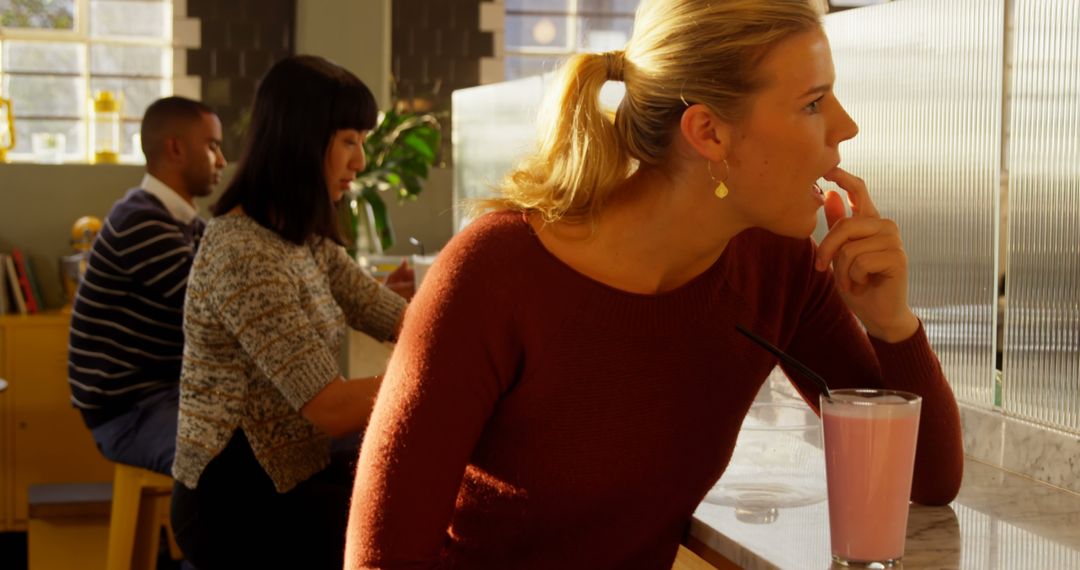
105,128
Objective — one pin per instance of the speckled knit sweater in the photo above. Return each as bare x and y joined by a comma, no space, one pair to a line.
263,321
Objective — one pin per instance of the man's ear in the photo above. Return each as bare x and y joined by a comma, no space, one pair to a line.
705,132
174,149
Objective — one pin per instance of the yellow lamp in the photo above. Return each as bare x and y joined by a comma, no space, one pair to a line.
83,232
73,267
105,128
7,134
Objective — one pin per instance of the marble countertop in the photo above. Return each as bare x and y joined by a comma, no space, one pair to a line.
999,520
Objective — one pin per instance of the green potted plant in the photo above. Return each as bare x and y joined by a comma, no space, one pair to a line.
400,153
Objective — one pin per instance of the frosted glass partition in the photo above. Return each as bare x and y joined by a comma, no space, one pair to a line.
923,80
1042,319
494,126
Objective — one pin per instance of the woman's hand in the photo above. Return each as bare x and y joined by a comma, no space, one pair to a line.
868,259
402,281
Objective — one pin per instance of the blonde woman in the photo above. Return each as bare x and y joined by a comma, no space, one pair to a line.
569,383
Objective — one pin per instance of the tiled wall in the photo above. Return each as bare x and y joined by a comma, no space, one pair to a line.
437,47
241,39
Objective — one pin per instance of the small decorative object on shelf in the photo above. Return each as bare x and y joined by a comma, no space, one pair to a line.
7,128
73,267
105,128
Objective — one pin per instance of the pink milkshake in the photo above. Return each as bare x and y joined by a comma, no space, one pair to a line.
870,440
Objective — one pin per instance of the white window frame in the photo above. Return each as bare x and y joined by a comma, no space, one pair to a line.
571,46
80,34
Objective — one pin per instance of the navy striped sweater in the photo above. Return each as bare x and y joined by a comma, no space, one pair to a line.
127,336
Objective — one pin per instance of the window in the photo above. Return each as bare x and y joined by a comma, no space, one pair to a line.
539,33
55,55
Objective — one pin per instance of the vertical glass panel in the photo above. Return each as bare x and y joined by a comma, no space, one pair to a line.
74,134
42,57
44,96
127,60
518,66
130,18
137,93
1042,316
494,127
923,80
546,32
38,14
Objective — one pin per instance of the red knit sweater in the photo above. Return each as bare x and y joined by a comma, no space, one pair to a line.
534,418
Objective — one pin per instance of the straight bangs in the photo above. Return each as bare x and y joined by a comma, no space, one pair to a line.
353,107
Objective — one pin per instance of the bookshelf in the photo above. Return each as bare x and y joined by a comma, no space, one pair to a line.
42,437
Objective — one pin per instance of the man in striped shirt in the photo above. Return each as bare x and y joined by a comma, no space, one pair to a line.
127,339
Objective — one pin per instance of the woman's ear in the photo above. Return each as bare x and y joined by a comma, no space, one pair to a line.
705,132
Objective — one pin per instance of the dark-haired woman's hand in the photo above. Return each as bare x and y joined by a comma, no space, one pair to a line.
867,256
402,281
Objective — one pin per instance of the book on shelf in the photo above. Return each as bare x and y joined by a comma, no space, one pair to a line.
5,297
22,267
14,287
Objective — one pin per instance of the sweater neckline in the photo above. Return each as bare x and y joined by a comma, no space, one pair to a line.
714,272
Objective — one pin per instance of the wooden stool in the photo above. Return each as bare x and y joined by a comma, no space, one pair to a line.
140,507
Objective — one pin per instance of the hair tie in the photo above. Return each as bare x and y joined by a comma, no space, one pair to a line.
615,61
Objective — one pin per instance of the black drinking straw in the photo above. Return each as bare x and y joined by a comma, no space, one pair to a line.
787,359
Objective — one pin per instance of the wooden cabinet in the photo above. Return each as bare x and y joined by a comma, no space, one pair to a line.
42,437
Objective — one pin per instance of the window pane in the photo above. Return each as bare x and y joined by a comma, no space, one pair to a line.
128,130
74,132
560,6
127,60
42,57
45,96
536,32
604,34
137,93
129,18
518,66
38,14
626,7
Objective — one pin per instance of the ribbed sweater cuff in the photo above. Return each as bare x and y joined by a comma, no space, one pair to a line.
907,364
314,373
384,315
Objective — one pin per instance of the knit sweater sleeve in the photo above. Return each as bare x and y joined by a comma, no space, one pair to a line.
457,355
259,304
369,307
830,340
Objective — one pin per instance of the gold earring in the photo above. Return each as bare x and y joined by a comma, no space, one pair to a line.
721,190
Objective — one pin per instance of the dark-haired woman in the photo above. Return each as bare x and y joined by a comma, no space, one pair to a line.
269,296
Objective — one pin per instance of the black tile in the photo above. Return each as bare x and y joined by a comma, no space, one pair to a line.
242,34
227,63
217,91
198,62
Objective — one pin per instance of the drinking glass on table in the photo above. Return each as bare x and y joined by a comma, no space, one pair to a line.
870,437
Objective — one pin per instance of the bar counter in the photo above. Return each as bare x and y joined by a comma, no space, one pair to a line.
998,521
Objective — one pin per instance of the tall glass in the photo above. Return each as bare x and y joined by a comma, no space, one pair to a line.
870,438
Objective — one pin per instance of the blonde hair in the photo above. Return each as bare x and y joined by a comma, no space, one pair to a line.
681,52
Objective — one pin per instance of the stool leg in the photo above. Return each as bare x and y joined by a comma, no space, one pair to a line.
174,549
148,533
123,520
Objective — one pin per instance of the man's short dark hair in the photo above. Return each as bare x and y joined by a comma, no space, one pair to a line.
163,117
